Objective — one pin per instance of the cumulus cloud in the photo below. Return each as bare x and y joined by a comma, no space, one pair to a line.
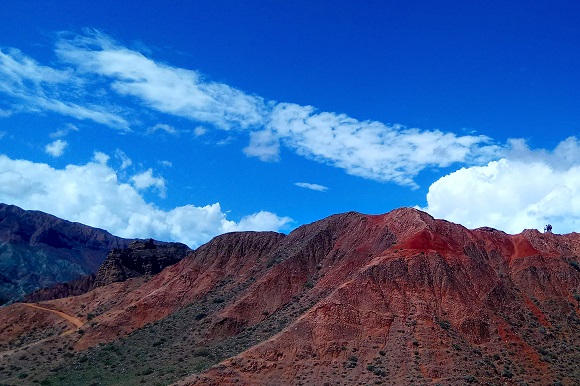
526,189
146,180
56,148
93,194
261,221
101,158
316,187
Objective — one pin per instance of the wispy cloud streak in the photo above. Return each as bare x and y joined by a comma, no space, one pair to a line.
32,87
315,187
129,80
162,87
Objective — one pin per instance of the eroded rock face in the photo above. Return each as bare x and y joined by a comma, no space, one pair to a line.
434,303
399,298
141,257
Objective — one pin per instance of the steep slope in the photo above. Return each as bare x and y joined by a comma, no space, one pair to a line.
441,305
39,250
392,299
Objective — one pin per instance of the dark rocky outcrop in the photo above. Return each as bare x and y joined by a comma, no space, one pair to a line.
141,257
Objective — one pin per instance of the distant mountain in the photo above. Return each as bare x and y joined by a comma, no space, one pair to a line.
140,258
392,299
40,250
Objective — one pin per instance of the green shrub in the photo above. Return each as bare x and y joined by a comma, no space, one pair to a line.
470,379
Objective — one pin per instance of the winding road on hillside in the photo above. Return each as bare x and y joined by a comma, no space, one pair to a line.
71,319
76,321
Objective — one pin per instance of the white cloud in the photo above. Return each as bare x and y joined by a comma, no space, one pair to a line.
372,149
161,87
146,180
565,155
101,158
125,160
29,86
226,141
56,148
526,190
264,145
199,131
92,194
316,187
261,221
166,163
21,71
94,61
163,127
61,133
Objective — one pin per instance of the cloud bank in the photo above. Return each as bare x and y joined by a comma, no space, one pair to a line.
96,78
93,194
526,189
94,63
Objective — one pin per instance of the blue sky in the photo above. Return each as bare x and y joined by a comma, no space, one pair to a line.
185,120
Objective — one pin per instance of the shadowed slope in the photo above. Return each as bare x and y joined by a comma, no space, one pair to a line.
39,250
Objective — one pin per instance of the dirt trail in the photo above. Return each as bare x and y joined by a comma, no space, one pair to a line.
77,322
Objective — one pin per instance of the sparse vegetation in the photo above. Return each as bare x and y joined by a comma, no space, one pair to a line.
444,324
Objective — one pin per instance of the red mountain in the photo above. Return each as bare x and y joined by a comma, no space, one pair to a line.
393,299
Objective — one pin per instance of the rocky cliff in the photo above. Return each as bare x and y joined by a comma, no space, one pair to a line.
399,298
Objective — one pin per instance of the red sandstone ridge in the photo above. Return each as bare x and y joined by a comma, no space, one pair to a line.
403,297
399,298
